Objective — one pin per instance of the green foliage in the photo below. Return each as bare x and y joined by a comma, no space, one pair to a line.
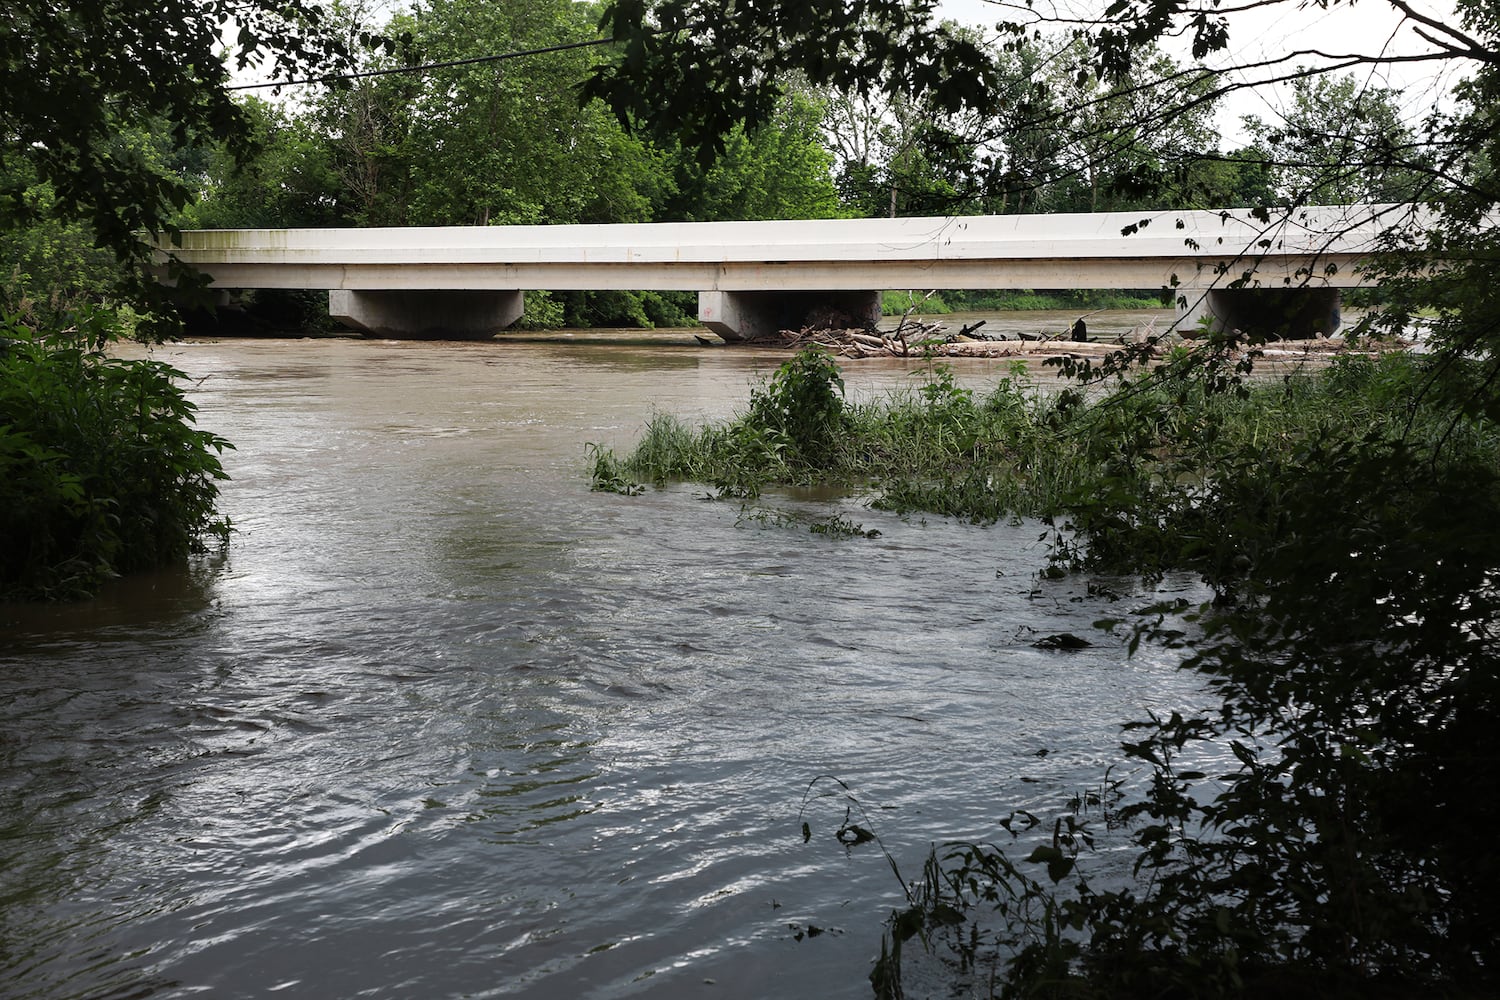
802,409
1005,300
289,180
510,142
888,46
53,263
1311,835
779,170
901,303
1341,518
917,445
608,476
628,309
101,472
1343,142
87,82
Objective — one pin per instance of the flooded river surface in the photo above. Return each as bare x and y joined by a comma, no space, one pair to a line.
442,722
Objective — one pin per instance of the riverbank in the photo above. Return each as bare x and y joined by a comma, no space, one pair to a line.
934,341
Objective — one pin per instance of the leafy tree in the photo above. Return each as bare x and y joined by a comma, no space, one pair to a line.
1240,179
509,142
52,260
902,160
1341,142
80,77
691,69
779,170
899,154
1129,141
1055,137
291,181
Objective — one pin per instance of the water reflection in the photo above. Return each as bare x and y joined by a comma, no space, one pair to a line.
159,598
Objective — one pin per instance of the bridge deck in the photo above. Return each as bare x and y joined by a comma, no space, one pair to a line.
1318,246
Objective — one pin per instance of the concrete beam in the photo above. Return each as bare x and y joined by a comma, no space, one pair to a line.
750,315
1324,245
458,314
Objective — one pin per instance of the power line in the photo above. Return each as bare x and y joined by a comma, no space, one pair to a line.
424,67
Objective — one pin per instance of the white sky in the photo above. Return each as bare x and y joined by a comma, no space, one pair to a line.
1368,27
1365,27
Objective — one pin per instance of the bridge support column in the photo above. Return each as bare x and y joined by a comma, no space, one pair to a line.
1286,313
435,314
750,315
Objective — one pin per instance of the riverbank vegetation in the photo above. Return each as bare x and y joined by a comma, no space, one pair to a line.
1318,829
1167,471
1312,835
898,303
102,472
101,469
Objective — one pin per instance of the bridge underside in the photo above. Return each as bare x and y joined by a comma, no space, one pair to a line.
1266,312
443,314
751,315
469,314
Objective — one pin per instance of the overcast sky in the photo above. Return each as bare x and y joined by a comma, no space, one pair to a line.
1365,28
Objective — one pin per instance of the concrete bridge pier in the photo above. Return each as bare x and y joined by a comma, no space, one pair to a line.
449,314
749,315
1286,313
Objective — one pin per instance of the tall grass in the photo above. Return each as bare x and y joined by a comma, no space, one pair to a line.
1139,475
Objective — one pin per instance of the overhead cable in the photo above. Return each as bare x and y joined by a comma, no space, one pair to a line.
333,78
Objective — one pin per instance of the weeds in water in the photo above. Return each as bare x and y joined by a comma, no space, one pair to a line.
840,527
608,477
834,526
1166,471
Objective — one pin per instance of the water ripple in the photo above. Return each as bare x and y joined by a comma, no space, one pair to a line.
446,723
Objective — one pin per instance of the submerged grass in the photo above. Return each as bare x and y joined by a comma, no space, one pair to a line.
1140,478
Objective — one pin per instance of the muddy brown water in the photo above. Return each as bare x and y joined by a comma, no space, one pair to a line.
444,723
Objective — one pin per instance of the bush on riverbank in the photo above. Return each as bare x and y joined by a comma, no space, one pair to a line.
1151,478
1316,833
101,470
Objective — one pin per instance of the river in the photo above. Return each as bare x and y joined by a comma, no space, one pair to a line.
442,722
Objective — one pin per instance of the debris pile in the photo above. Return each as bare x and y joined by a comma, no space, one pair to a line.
915,338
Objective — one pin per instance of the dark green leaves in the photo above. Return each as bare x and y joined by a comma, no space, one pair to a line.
696,68
81,79
101,469
1058,864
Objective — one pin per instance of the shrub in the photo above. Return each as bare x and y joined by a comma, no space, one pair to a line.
804,406
101,470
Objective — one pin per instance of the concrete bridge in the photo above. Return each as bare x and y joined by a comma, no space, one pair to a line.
754,278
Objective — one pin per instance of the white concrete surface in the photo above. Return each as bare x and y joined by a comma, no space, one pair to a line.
1192,251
